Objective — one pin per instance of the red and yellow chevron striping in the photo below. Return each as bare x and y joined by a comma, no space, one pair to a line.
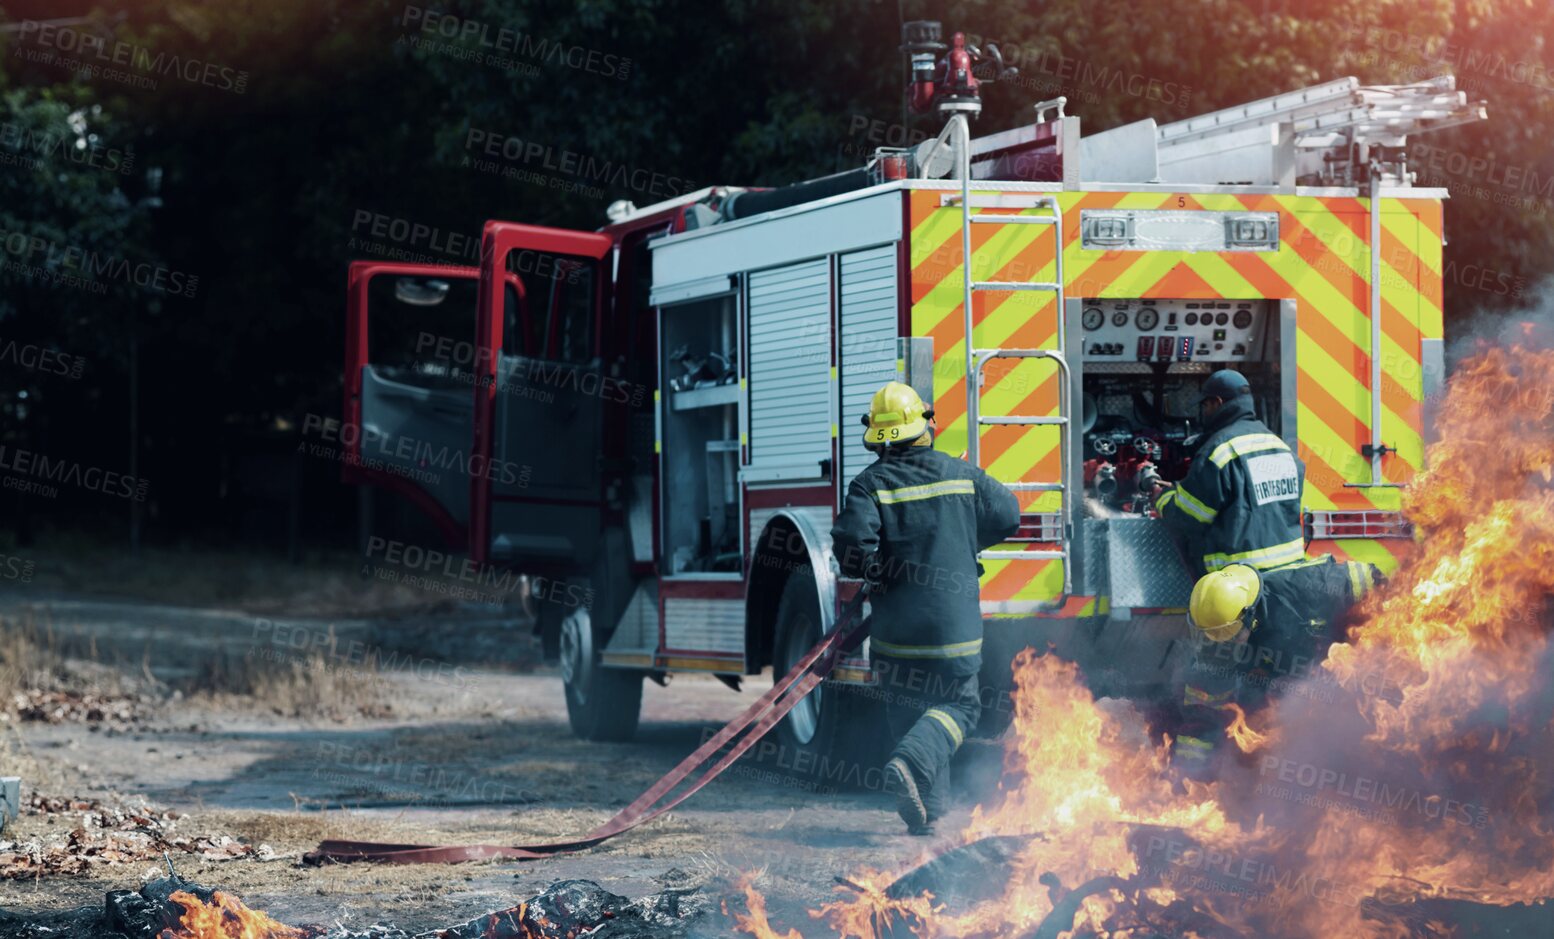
1323,265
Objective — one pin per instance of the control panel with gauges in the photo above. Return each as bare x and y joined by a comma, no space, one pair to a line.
1174,331
1144,363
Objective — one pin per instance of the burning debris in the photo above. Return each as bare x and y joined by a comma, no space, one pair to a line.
173,908
1410,798
920,901
101,835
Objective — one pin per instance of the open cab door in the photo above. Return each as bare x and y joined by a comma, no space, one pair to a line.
409,381
539,394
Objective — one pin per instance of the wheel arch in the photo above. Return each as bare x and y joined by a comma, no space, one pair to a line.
789,541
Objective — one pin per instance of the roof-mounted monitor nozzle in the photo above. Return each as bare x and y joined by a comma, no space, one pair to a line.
951,84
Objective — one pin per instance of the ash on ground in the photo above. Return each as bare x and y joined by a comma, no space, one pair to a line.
569,908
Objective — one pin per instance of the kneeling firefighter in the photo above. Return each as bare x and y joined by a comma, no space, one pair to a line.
1239,504
912,525
1264,628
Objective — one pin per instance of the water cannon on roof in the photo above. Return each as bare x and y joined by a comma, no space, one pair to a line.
951,84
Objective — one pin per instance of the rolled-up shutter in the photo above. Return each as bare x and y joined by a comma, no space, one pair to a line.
868,328
790,371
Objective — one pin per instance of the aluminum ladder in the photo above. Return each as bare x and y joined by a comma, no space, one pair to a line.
977,358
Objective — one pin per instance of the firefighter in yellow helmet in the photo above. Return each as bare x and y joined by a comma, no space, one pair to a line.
1268,628
1239,504
897,417
912,525
1220,599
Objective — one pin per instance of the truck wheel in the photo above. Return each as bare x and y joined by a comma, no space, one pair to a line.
832,722
602,703
548,615
549,629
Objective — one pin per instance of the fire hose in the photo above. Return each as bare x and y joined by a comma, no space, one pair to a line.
748,728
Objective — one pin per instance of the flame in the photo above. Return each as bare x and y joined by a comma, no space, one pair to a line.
866,909
1076,776
1460,640
1441,695
755,922
225,918
1246,739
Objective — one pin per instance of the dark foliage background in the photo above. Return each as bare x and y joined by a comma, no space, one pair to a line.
258,191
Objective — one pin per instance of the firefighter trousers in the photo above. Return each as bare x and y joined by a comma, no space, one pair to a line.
1203,716
929,709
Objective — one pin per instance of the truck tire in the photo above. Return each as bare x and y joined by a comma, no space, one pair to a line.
547,623
840,729
603,704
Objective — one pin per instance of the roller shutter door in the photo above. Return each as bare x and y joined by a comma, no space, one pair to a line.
790,371
868,327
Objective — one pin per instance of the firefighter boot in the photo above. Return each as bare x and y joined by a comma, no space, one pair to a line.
909,802
936,795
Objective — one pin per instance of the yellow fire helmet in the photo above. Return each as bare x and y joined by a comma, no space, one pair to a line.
897,416
1220,598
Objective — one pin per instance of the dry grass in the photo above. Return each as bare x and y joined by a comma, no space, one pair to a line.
322,584
316,683
289,831
41,657
29,657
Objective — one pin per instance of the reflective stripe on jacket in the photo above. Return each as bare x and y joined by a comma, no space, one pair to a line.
1240,500
923,516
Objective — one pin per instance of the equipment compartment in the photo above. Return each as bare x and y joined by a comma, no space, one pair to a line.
699,412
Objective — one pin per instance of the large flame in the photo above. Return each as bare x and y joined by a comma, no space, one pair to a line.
1450,667
225,918
1413,765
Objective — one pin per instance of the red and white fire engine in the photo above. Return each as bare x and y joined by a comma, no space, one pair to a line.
660,417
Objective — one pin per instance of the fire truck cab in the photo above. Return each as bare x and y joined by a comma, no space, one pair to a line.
661,417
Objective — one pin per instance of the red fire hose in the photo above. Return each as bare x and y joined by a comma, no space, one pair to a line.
757,719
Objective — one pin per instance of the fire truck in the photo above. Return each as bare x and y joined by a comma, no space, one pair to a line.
662,416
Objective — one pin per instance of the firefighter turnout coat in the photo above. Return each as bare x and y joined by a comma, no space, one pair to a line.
1240,500
1299,612
920,517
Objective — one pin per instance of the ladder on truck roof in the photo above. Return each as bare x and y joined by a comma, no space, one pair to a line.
1321,122
1339,111
977,358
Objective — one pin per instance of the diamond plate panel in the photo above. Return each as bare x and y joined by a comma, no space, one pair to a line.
1145,567
1090,558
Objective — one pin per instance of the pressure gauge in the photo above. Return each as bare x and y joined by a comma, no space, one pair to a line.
1094,317
1243,319
1148,319
1119,318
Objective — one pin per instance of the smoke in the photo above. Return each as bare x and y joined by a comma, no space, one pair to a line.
1529,324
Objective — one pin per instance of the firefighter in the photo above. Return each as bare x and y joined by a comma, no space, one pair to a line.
1239,504
1240,500
912,525
1280,622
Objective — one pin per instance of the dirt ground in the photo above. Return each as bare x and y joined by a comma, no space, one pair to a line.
431,728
